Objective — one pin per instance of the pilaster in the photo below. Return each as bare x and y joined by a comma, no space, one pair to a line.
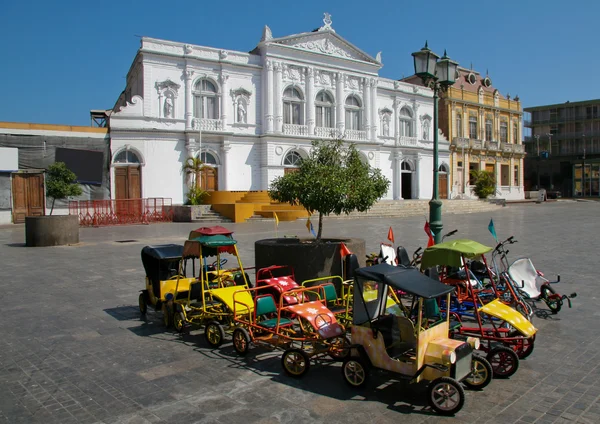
373,110
367,106
224,181
310,100
224,103
277,97
269,99
339,110
187,76
396,121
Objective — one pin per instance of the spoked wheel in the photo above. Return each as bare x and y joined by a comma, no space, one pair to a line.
504,361
142,303
553,301
446,396
241,341
214,333
523,347
339,348
179,321
524,309
355,371
295,362
481,373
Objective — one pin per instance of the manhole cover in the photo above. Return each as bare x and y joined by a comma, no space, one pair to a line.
125,241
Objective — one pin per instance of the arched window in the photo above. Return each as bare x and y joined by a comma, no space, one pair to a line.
292,159
126,157
208,159
324,110
293,107
353,113
459,124
443,168
489,128
206,100
405,166
406,122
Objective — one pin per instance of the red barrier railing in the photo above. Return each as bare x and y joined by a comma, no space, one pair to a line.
96,213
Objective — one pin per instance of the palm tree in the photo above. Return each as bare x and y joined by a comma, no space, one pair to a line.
193,166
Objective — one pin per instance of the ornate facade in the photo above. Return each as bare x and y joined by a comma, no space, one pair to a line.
252,116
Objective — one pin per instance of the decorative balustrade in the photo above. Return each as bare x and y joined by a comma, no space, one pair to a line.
518,148
460,142
356,135
294,129
407,141
325,132
208,124
507,147
492,145
476,144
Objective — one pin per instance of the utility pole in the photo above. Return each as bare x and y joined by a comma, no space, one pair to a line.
537,139
583,169
550,154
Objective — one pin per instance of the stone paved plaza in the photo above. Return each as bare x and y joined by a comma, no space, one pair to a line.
74,349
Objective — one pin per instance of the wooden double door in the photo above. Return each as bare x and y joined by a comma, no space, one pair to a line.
128,191
209,180
443,185
28,196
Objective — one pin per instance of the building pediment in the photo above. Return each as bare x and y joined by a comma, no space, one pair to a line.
325,42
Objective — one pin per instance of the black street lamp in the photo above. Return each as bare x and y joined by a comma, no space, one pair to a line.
437,74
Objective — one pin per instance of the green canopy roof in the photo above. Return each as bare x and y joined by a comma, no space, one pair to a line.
215,241
450,253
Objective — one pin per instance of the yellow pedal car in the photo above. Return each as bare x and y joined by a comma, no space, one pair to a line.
163,265
405,345
208,299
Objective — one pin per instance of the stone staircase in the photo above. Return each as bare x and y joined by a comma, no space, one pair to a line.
402,208
209,216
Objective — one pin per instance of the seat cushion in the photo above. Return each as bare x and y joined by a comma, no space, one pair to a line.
272,323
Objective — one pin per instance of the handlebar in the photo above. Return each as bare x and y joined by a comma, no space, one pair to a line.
510,240
451,233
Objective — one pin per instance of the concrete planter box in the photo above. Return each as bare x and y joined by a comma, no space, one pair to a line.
308,258
187,213
52,230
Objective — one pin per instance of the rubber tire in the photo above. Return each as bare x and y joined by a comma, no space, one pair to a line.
446,381
218,330
357,365
305,358
241,335
143,305
505,352
340,356
179,320
484,366
529,345
547,291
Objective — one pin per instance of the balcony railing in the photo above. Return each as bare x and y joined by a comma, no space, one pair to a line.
492,145
356,135
477,144
506,147
460,142
208,124
325,132
294,129
518,148
408,141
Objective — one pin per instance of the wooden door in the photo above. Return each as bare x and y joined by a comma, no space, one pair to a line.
443,185
210,179
128,186
28,196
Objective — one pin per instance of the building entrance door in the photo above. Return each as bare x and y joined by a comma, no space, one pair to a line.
210,179
407,185
128,190
28,196
443,185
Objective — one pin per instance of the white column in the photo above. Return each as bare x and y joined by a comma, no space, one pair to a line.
339,110
223,182
187,76
277,97
373,109
396,122
269,98
511,173
367,106
417,177
397,176
498,169
310,100
224,102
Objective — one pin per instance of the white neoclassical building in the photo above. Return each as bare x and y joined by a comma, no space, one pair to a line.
252,116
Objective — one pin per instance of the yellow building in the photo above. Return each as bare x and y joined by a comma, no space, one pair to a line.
485,132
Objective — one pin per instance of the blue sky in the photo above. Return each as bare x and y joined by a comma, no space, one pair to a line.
62,58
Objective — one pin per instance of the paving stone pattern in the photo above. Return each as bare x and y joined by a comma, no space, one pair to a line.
73,348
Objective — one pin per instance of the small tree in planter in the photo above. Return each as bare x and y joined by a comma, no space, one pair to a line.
60,183
193,166
332,179
484,183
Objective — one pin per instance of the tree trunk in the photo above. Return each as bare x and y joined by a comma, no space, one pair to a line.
52,207
320,226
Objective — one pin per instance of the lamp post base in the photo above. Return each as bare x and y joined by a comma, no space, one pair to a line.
435,219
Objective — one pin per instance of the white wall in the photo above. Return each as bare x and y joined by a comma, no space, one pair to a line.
9,159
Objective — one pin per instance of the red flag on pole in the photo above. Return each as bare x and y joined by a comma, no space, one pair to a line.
427,229
391,235
344,251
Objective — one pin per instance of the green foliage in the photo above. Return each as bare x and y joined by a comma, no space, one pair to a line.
484,183
332,179
60,183
195,195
